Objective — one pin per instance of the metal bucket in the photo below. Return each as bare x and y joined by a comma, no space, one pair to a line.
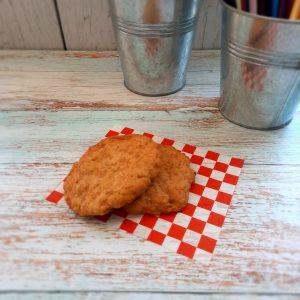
260,69
154,38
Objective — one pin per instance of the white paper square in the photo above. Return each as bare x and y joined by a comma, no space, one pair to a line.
211,231
157,139
134,218
162,226
171,243
210,193
202,256
142,231
227,188
178,146
201,214
195,167
224,159
218,175
191,237
208,163
118,128
182,220
200,179
233,170
200,152
220,208
194,199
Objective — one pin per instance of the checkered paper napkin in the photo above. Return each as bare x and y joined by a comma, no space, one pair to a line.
194,231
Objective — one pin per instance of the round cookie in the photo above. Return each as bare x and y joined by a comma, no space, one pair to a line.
169,191
111,174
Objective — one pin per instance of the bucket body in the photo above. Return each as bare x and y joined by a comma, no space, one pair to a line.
260,69
154,39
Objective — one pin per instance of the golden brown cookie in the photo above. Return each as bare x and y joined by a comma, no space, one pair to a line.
169,191
111,174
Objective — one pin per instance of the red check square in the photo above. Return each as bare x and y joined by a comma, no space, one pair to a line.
189,209
186,249
206,243
216,219
196,225
103,218
237,162
206,203
168,217
219,166
213,184
54,196
205,171
127,130
197,189
195,159
212,155
176,231
128,226
167,142
149,135
189,148
156,237
112,133
232,179
148,220
224,198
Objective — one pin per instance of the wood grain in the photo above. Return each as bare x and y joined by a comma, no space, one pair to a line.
137,296
87,25
63,135
83,80
44,247
30,24
208,31
70,100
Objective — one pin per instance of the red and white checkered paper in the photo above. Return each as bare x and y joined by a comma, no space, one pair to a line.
194,231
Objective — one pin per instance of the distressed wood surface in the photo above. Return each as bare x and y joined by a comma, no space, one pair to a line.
87,25
43,130
30,24
138,296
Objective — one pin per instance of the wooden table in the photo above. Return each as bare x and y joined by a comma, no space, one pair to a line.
53,105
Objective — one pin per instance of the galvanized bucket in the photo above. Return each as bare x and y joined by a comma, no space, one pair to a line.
154,38
260,76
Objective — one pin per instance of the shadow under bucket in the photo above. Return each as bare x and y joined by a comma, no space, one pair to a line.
154,39
260,69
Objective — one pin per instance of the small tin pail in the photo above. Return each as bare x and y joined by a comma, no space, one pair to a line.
154,39
260,69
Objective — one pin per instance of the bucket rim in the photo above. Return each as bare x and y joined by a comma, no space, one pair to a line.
255,16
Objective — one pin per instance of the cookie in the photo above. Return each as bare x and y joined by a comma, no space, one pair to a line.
111,174
169,191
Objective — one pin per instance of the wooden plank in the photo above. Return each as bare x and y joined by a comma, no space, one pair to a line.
83,80
61,136
86,24
30,24
43,247
208,32
137,296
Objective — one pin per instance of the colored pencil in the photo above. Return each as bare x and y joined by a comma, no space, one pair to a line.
274,8
262,8
238,4
295,11
253,6
231,2
243,5
282,9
